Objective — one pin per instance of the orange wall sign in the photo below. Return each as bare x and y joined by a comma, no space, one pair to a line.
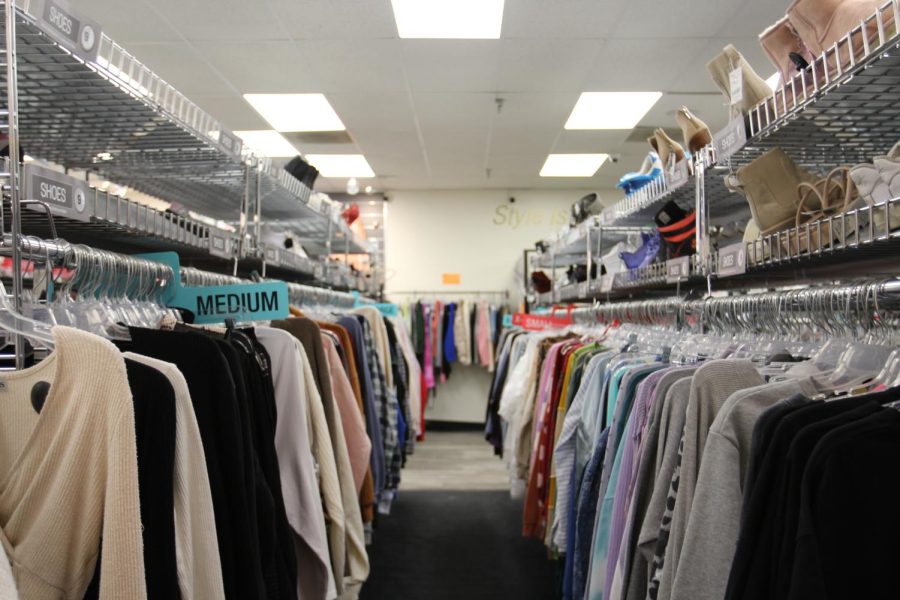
451,278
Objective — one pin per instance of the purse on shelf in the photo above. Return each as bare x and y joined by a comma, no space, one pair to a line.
770,185
828,197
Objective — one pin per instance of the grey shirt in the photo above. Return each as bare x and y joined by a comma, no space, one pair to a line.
713,524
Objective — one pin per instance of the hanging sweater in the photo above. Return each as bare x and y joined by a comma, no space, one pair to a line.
68,477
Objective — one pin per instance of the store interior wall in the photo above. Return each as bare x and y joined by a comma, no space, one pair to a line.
478,235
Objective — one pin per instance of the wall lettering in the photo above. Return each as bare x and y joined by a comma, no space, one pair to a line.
506,215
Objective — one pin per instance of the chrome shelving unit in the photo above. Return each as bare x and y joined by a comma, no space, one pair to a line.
101,110
843,110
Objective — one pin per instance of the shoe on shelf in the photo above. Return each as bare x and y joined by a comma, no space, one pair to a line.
879,183
644,255
670,151
650,170
696,133
779,42
754,88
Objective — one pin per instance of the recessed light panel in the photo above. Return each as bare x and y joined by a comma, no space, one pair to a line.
449,19
340,165
611,110
269,143
296,112
572,165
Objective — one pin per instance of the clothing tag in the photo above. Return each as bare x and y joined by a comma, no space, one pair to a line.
39,393
736,79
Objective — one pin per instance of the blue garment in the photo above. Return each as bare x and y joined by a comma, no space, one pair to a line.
449,335
587,511
569,564
373,427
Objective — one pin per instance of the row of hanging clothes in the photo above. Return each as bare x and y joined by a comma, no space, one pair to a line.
452,332
739,447
145,457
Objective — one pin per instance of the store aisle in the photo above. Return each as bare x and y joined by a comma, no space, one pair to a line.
454,532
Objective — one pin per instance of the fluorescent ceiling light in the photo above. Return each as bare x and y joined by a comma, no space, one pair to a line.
340,165
611,110
296,112
774,81
269,143
572,165
449,19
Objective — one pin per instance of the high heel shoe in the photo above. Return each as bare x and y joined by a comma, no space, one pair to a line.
754,88
696,133
668,148
650,170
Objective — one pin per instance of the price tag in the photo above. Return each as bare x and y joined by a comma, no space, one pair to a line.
315,202
319,271
220,245
730,140
272,255
678,176
66,196
678,269
732,260
736,81
80,35
606,283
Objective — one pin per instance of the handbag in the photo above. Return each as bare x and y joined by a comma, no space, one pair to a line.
828,197
770,185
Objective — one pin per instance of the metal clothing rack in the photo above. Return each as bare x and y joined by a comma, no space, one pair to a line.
850,310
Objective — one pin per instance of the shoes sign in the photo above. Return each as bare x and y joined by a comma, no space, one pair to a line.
78,34
66,196
732,260
730,140
678,269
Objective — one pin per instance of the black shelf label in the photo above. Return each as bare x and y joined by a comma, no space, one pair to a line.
66,196
80,35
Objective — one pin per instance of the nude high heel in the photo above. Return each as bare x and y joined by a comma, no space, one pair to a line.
696,133
668,148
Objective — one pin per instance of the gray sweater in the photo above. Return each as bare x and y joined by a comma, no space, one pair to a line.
713,525
712,384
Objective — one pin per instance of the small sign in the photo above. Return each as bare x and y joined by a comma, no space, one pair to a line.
220,245
241,302
230,142
678,176
732,260
319,271
451,278
678,269
65,195
736,81
271,255
80,35
606,283
730,140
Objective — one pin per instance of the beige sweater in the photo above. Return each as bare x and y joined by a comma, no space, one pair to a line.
68,476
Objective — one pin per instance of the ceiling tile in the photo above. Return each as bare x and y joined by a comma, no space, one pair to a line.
331,20
546,65
377,65
222,20
569,19
652,19
232,110
276,67
139,24
632,65
451,65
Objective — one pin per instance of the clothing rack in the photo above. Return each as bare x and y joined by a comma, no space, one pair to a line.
143,278
499,293
851,310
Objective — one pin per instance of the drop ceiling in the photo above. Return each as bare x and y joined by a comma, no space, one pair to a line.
446,114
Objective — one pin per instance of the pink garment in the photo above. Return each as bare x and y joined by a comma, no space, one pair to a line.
428,359
359,446
485,355
545,393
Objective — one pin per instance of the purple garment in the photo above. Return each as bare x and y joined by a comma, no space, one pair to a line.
640,417
427,360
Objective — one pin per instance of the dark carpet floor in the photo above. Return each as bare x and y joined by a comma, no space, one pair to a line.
457,545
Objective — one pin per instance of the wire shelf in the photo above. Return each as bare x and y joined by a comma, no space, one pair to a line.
843,109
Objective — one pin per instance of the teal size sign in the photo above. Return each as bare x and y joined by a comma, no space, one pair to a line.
242,302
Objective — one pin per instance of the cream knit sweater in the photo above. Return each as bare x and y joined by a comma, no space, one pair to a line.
68,476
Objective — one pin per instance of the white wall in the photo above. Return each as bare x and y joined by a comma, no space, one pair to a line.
476,233
480,235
